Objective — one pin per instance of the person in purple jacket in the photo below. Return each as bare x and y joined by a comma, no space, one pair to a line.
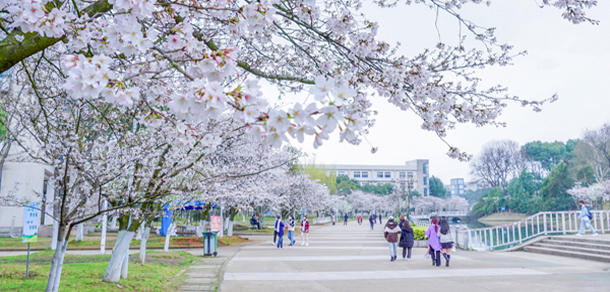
434,243
280,232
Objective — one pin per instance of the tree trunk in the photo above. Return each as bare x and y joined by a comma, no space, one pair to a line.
125,265
55,235
79,232
121,251
57,262
6,147
104,227
170,230
145,233
113,223
230,227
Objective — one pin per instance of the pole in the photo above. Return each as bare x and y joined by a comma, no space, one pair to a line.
27,265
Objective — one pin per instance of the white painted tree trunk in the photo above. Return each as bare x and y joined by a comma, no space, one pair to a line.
145,233
104,226
113,223
121,250
125,265
79,232
170,230
57,264
139,234
230,227
55,234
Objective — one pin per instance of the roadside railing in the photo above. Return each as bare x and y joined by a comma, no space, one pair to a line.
543,223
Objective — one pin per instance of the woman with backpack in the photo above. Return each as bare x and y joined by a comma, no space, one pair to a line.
446,240
406,239
390,232
434,244
585,219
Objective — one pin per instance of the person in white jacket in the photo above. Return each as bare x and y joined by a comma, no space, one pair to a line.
584,219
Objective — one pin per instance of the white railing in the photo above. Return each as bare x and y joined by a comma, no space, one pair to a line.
543,223
444,213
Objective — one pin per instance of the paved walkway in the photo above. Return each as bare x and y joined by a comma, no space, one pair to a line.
354,258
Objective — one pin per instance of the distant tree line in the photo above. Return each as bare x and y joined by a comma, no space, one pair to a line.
542,176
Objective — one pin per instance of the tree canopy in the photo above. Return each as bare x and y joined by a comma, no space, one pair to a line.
437,188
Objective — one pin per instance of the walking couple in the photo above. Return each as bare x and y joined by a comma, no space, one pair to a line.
391,231
440,241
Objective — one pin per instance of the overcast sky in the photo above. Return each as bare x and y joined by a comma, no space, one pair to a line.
570,60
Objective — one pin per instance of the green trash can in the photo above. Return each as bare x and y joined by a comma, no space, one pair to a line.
210,241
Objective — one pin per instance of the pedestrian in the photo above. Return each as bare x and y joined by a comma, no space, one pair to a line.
390,232
374,218
585,219
345,217
280,232
291,227
372,221
379,218
275,230
434,244
446,240
401,221
406,239
359,219
304,231
333,216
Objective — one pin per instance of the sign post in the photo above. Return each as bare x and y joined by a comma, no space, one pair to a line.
31,214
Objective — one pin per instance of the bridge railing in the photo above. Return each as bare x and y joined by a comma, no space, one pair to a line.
543,223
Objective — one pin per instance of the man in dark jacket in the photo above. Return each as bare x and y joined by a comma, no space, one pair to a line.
372,221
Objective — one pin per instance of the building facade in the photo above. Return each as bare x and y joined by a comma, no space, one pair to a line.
416,171
457,187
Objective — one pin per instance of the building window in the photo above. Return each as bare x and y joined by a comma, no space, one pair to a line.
356,173
365,174
341,172
402,174
425,180
388,174
410,175
425,192
425,168
380,174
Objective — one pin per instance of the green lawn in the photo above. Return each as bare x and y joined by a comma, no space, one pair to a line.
155,241
84,273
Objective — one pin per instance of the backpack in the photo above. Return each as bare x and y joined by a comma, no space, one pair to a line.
589,214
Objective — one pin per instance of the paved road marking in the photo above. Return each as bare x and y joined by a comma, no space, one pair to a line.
373,275
315,247
323,258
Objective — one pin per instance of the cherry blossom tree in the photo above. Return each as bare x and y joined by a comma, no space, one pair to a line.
195,58
595,194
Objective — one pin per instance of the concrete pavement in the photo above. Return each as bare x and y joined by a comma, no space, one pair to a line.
354,258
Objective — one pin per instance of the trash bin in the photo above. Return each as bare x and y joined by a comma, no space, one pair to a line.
209,243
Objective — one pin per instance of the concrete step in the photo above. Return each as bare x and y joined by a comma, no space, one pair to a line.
565,253
573,248
584,239
600,245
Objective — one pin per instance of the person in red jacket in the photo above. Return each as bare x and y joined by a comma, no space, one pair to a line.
304,231
360,219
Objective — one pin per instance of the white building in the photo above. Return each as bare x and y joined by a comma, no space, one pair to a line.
457,187
24,180
415,170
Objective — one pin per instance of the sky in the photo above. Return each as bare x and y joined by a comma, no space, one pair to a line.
570,60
